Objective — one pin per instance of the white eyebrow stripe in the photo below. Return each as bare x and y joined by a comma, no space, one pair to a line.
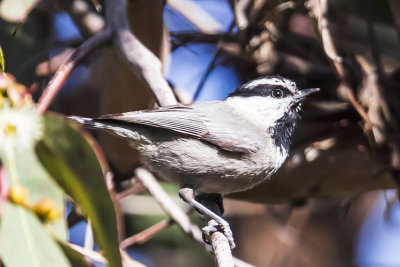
274,81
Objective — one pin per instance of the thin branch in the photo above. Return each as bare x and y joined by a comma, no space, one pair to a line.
167,204
179,216
221,248
373,41
58,80
98,257
117,207
90,254
89,239
143,63
240,9
148,233
206,74
145,235
87,21
210,66
132,190
319,9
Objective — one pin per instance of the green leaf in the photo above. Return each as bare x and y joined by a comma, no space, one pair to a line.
2,62
71,161
16,11
24,241
39,184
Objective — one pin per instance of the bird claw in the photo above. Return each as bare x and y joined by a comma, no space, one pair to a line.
221,226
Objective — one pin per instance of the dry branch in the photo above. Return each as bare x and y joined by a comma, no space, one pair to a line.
143,63
59,78
220,244
162,198
87,21
319,10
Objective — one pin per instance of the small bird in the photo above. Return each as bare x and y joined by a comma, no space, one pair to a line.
215,147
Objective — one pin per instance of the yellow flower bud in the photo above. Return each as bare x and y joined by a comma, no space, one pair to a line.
18,194
47,210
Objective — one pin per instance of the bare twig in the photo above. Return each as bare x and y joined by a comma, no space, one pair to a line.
127,261
206,74
55,84
376,55
132,190
167,204
222,251
240,8
143,63
97,257
146,234
319,9
180,217
87,21
210,67
90,254
117,207
89,239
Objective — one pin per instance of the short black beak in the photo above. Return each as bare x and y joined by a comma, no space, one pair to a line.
300,95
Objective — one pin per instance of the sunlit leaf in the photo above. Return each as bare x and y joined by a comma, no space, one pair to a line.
16,11
24,241
73,164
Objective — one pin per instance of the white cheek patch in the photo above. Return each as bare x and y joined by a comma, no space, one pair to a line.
274,81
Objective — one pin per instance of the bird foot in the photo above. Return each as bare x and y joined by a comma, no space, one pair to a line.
223,227
219,224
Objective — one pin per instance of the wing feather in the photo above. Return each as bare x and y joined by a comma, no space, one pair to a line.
187,121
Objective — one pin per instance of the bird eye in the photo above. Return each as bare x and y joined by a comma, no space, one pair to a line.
277,93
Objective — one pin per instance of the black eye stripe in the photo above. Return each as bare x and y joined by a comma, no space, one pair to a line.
247,90
267,89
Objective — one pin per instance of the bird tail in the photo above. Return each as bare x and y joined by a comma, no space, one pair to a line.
90,123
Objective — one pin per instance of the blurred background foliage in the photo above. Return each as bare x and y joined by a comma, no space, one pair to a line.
332,204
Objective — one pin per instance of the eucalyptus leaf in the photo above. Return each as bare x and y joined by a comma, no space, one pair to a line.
24,241
71,161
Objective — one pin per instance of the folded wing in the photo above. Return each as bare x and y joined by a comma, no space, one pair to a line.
188,121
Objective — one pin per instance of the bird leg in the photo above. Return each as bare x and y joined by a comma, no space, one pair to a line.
187,194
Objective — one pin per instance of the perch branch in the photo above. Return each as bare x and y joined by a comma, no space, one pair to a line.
143,63
58,80
169,206
183,220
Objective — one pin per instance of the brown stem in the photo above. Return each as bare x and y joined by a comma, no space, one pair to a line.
143,63
58,80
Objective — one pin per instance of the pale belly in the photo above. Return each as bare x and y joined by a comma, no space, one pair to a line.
190,162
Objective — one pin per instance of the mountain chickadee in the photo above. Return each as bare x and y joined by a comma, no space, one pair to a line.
214,147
